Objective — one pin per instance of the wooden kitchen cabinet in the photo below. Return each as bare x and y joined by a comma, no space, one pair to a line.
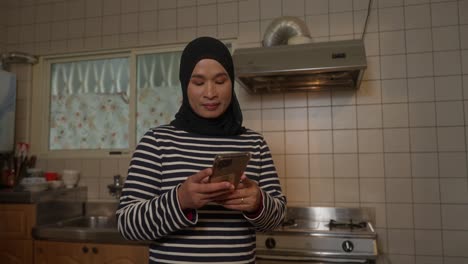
16,242
49,252
16,251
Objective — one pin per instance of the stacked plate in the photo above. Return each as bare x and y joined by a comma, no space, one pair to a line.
34,184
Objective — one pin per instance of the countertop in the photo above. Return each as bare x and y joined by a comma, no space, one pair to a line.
12,195
65,215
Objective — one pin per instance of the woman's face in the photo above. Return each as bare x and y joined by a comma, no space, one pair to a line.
210,89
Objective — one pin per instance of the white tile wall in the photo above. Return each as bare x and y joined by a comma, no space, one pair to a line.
3,27
398,190
391,19
424,165
396,140
418,40
315,31
319,118
371,165
452,164
395,115
345,165
397,165
450,214
423,139
370,141
347,190
344,117
421,89
394,91
428,242
372,190
444,14
392,42
447,63
320,141
426,191
320,166
420,65
448,88
322,191
417,16
297,166
401,241
399,215
422,114
453,241
398,144
369,116
314,7
344,141
295,118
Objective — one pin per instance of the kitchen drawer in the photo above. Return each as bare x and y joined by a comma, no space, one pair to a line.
52,252
16,251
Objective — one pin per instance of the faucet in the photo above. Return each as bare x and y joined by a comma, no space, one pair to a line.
115,189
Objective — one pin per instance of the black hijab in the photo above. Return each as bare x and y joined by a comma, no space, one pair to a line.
230,122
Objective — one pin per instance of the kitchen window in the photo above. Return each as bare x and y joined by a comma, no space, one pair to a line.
102,104
158,90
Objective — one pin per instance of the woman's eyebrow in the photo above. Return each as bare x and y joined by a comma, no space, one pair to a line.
221,74
201,76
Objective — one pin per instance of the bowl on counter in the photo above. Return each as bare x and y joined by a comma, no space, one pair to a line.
70,178
51,176
55,184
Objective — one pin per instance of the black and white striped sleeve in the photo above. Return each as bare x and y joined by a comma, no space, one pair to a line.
274,202
146,212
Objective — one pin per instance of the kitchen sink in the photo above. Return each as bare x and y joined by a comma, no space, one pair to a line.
101,229
97,224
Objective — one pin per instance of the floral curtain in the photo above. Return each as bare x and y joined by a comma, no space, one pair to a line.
158,90
89,104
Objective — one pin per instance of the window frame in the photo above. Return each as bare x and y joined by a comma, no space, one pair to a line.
40,103
39,123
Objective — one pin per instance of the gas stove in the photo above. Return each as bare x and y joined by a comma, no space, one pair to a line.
320,235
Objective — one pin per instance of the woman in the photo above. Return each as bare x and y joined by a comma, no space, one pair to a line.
167,198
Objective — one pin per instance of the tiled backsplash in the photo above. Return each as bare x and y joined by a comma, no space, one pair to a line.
96,174
398,144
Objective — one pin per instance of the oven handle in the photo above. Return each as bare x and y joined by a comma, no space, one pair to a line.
297,258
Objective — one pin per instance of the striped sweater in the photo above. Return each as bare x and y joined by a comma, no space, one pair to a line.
149,207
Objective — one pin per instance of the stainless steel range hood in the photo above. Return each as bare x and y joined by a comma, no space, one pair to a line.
302,67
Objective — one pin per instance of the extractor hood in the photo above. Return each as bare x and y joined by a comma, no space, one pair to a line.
301,67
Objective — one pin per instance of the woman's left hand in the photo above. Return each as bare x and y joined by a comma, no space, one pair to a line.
247,197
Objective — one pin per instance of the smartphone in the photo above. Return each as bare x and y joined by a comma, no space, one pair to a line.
229,167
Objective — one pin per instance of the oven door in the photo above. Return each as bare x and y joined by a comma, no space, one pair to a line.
313,260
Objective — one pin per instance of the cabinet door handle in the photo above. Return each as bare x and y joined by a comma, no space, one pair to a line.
85,249
95,250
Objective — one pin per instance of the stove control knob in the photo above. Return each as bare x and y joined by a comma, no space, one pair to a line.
347,246
270,243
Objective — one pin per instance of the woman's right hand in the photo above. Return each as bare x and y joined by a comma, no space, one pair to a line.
196,191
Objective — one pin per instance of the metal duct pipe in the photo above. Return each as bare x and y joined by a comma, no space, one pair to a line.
282,29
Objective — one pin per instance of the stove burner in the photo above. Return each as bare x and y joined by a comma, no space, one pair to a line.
289,223
334,224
